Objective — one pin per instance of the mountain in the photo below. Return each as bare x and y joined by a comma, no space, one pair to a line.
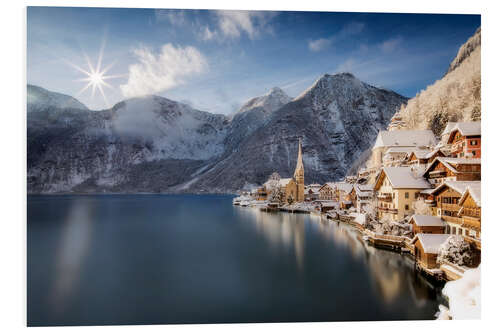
455,97
337,118
153,144
252,115
40,99
143,144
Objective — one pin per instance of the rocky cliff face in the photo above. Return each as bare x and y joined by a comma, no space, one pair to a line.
153,144
455,97
337,118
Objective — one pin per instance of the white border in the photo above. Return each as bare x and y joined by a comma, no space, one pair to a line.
13,166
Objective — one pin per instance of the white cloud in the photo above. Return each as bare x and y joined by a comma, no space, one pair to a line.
163,71
347,30
319,44
391,45
233,23
208,34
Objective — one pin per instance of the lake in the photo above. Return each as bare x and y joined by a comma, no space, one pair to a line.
158,259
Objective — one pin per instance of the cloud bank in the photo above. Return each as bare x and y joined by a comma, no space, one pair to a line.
171,67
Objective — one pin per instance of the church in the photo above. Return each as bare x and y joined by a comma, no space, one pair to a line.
294,187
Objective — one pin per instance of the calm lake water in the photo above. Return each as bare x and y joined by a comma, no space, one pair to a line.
157,259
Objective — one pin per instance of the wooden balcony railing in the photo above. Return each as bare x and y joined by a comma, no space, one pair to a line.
452,219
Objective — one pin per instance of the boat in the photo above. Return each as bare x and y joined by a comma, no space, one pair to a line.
237,201
244,203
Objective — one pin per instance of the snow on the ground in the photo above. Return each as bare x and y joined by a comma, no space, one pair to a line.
464,297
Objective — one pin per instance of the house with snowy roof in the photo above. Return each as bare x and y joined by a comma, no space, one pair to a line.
399,138
395,156
422,157
465,140
327,191
362,196
470,212
396,189
447,198
427,224
427,249
442,169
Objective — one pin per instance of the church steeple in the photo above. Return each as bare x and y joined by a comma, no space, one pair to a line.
299,175
299,169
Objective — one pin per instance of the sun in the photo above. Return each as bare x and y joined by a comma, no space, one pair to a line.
95,76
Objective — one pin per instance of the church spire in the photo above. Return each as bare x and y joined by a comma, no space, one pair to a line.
299,169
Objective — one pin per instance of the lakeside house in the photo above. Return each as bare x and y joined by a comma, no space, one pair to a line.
427,224
396,188
470,212
422,157
362,196
327,191
427,249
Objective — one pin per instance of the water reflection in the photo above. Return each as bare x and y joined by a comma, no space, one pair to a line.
280,229
72,250
391,275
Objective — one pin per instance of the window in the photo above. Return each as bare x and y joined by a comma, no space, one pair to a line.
407,207
473,153
407,195
473,142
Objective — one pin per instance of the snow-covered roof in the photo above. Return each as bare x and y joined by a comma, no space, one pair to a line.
448,128
403,177
432,242
474,190
399,150
284,181
402,138
427,221
345,187
452,162
468,128
329,184
363,190
459,186
427,191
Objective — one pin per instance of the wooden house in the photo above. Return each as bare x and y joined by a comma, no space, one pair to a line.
427,224
442,169
427,249
447,204
327,191
470,212
465,140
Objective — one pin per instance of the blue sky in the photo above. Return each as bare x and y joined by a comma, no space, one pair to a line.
216,60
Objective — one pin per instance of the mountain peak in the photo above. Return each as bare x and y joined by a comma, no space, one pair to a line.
330,82
273,100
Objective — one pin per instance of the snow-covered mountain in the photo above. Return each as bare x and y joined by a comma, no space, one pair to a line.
40,99
337,118
153,144
455,97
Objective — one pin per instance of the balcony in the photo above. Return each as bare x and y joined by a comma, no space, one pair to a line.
437,174
450,207
472,223
452,219
387,210
386,197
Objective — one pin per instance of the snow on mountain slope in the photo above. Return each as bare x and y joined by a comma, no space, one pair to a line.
456,97
337,118
153,144
40,99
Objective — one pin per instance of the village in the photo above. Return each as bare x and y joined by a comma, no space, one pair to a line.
418,194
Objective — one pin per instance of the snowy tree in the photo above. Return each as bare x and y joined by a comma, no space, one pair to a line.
421,208
455,250
273,186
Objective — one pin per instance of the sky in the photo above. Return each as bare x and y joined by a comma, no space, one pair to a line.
216,60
